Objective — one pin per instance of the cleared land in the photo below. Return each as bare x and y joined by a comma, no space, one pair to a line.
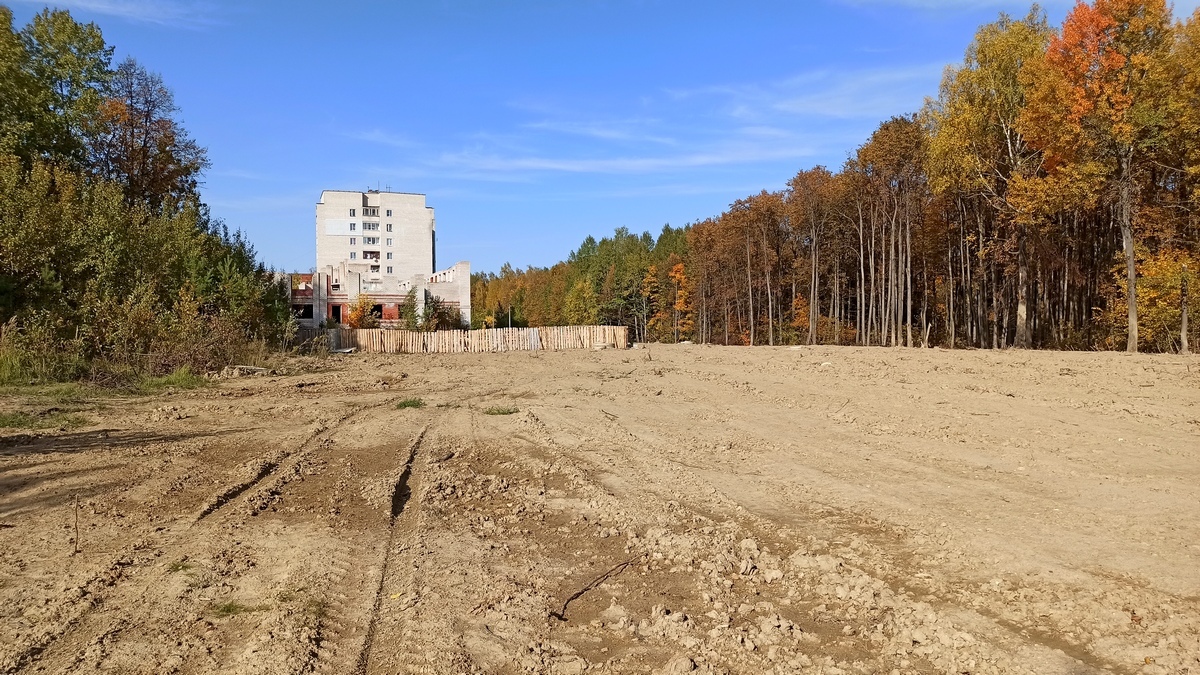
823,510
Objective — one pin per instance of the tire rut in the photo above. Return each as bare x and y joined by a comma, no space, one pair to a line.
291,458
113,576
339,652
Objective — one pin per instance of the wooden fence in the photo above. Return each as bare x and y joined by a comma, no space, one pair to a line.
550,338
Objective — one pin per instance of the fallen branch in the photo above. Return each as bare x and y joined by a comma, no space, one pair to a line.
561,615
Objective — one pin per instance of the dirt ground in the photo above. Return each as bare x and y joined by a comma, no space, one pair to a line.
670,510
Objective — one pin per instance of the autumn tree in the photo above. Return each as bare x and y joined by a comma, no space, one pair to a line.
136,140
682,306
362,313
978,153
991,218
1100,103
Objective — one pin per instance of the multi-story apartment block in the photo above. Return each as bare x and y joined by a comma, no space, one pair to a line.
386,235
382,244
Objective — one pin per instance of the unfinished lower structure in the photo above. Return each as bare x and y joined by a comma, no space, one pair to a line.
382,244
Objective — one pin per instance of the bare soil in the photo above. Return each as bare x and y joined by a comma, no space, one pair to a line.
671,509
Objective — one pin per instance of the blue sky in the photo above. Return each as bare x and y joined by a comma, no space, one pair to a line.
529,124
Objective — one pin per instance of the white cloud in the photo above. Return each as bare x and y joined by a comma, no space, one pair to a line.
876,94
736,154
160,12
614,130
382,137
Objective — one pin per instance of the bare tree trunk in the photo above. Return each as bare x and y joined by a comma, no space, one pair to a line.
770,311
950,291
1183,313
1126,218
908,310
749,288
862,283
871,298
1022,294
813,298
836,306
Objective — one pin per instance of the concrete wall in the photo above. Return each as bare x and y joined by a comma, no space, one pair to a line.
341,285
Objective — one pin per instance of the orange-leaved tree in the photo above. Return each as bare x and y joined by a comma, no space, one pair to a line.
1100,102
683,304
361,314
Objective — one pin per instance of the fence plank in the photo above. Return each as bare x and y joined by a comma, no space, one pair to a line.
542,338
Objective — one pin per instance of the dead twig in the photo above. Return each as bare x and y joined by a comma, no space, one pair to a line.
608,414
561,614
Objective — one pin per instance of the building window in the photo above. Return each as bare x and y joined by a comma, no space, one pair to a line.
371,226
389,213
389,242
374,268
352,241
353,255
351,213
352,227
389,255
389,227
370,241
389,266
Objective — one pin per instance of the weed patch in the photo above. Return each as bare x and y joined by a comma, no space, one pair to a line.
181,378
500,410
410,403
231,608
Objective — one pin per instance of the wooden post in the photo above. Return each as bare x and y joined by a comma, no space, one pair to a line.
1183,319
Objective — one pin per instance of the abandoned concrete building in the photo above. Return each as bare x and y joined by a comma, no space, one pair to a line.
382,244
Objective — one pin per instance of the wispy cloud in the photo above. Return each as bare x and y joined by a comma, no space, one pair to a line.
174,13
630,130
738,154
382,137
875,93
815,113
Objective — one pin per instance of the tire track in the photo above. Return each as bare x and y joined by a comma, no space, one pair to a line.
112,577
347,595
400,496
292,458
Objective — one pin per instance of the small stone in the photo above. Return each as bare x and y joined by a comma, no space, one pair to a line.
677,666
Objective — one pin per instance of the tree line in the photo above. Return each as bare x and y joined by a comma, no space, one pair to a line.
1046,198
110,263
